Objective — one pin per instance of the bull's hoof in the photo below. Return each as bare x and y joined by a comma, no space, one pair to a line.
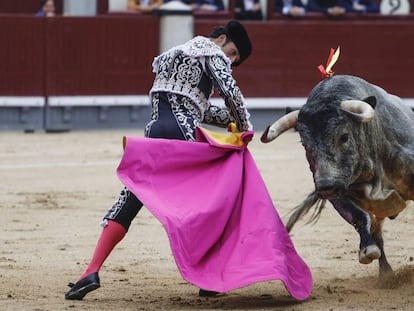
369,253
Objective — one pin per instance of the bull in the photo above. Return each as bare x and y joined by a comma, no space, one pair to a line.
359,143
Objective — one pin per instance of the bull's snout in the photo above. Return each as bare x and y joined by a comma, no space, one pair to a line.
329,188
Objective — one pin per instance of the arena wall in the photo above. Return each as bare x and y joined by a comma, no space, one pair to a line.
107,59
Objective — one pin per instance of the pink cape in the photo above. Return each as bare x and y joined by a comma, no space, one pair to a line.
223,228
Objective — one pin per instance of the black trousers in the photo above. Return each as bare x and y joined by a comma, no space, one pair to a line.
173,117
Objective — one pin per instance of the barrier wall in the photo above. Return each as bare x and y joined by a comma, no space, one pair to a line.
32,6
286,54
22,53
104,55
75,56
96,71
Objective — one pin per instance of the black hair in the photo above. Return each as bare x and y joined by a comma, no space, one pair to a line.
217,32
235,32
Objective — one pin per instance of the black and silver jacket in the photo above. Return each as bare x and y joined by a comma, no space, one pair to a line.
193,70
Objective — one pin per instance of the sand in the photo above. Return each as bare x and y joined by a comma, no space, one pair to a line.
55,188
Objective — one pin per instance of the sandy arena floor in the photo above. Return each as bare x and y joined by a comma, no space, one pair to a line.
56,187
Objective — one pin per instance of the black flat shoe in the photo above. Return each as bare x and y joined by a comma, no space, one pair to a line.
207,293
82,287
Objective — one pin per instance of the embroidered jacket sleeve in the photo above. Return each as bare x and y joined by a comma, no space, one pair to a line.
218,116
217,69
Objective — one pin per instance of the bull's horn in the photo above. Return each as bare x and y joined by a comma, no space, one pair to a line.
286,122
361,110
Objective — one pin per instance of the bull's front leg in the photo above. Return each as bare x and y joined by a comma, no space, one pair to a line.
384,267
368,248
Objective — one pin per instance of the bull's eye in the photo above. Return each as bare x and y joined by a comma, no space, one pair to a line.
343,138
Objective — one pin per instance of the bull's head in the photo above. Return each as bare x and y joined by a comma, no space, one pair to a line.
332,141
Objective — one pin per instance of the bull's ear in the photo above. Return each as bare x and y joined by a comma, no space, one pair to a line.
371,100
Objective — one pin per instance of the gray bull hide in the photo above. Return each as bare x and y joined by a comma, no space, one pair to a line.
359,142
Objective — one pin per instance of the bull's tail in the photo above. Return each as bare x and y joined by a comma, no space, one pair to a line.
312,200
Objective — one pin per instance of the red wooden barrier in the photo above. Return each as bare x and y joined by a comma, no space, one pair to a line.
22,54
19,6
104,55
32,6
112,55
286,54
